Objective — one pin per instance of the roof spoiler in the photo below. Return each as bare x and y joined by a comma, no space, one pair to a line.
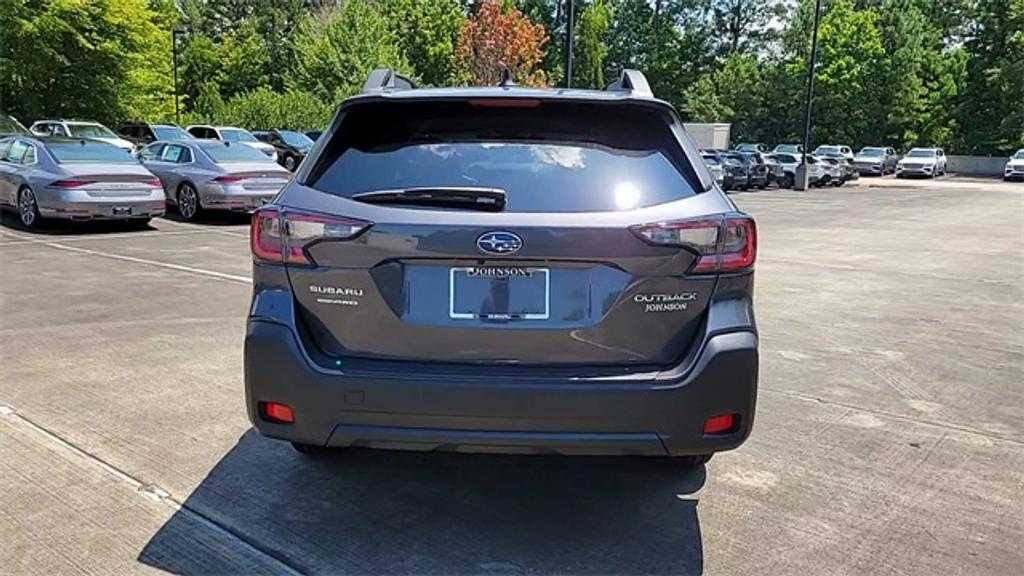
382,79
632,81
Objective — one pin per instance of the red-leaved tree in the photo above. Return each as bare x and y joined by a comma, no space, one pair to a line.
496,38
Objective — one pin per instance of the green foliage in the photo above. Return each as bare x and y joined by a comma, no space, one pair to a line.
734,93
264,109
337,49
427,32
591,47
102,59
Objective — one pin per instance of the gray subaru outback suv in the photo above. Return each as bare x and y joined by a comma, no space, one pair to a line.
504,269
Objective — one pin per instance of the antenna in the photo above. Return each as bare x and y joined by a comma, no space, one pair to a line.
506,78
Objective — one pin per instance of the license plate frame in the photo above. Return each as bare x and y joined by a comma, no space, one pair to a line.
453,313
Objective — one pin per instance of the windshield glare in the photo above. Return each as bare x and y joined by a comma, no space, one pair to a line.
90,131
171,133
222,153
235,135
1019,155
921,154
85,152
295,139
11,126
872,152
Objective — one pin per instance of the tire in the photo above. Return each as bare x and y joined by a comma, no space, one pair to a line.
789,181
28,209
289,163
189,206
689,462
310,450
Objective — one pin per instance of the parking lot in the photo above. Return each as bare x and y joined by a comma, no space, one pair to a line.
889,435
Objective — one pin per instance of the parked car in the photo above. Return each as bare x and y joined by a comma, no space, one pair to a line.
314,135
834,150
715,167
846,169
80,129
200,175
75,179
143,133
1015,166
291,146
833,169
750,148
9,126
788,163
789,149
876,160
757,168
231,134
435,294
928,162
737,167
784,168
775,172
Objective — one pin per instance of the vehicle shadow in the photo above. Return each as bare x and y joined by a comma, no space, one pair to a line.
212,218
10,221
378,512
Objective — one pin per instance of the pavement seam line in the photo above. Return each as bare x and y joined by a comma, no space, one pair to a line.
149,491
144,261
934,423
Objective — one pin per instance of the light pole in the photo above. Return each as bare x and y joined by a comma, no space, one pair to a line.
175,32
801,171
568,46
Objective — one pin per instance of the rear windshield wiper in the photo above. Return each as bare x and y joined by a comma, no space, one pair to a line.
464,197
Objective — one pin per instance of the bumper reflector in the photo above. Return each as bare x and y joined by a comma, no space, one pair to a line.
274,412
720,424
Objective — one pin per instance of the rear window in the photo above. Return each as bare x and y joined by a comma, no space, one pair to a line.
87,152
225,153
171,133
90,131
9,125
552,157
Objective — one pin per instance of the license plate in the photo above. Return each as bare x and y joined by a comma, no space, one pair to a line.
499,293
122,210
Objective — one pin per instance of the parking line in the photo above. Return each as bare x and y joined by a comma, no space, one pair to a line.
113,236
133,259
204,228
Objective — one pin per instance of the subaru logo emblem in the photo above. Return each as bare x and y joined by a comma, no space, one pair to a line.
499,243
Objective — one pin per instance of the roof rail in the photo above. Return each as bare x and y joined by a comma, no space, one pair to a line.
632,81
382,79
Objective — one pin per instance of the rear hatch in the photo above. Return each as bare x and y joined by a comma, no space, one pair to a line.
502,231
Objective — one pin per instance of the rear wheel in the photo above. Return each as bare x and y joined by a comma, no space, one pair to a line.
289,162
28,209
789,181
310,449
188,202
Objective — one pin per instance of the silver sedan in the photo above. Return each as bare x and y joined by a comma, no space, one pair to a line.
75,179
201,175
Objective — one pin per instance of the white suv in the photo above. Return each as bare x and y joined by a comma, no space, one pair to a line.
929,162
81,129
231,134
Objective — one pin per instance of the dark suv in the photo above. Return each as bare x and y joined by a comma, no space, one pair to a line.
143,133
503,269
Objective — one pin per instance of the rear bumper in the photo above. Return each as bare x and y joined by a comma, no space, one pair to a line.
409,410
234,197
73,208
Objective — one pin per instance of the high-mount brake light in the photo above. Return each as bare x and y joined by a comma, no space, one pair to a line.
283,236
724,244
505,102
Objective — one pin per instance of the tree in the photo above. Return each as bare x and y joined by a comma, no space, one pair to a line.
336,50
427,31
244,59
103,59
734,93
495,39
591,47
746,25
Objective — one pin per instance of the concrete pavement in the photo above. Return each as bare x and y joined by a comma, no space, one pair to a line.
889,437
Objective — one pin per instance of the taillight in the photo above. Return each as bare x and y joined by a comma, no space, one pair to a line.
724,243
153,183
228,179
70,183
283,236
